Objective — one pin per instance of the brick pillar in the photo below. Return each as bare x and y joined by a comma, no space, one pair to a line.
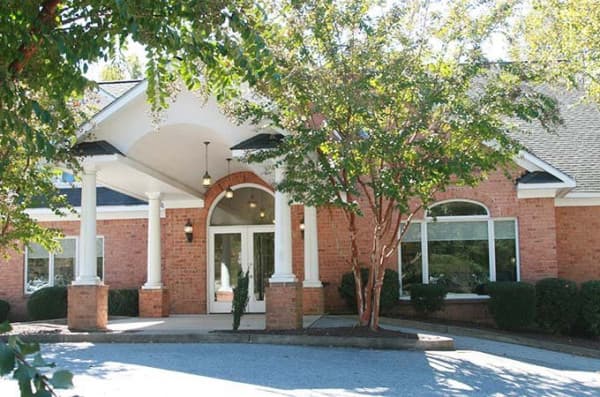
88,307
313,300
284,305
154,302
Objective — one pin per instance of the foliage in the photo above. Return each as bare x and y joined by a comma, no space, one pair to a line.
427,298
48,46
386,106
240,298
512,304
557,304
123,302
128,69
4,310
390,291
589,294
562,37
24,361
47,303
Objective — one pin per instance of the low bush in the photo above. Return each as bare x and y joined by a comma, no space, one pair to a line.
390,291
123,302
557,304
4,310
240,298
512,304
47,303
589,298
427,298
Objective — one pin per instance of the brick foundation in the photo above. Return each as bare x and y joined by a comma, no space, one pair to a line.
313,300
154,302
284,306
88,307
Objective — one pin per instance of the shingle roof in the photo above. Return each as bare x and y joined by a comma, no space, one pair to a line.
259,141
575,147
104,197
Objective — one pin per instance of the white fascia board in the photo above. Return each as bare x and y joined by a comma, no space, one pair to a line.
174,204
532,163
581,199
113,108
107,212
536,193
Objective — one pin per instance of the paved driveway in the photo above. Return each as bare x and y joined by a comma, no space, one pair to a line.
478,368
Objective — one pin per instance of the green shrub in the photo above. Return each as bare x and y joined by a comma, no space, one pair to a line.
589,298
48,303
123,302
240,298
557,304
390,291
427,298
512,304
4,310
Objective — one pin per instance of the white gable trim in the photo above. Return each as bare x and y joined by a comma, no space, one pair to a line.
542,190
102,213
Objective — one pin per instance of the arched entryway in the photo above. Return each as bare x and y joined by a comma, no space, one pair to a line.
241,235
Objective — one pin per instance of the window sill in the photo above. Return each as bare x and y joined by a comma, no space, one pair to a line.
455,296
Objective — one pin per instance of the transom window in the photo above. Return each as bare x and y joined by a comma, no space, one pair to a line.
46,269
460,246
248,206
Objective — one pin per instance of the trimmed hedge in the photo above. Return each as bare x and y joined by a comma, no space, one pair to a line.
427,298
390,291
4,310
48,303
512,304
589,299
557,304
123,302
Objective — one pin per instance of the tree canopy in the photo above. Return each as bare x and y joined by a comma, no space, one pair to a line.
386,106
47,48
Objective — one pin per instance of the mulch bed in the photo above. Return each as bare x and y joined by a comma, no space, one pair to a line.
362,332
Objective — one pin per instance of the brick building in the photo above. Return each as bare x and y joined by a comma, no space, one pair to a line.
148,221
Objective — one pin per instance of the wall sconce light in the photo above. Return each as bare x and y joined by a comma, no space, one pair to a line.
189,231
302,227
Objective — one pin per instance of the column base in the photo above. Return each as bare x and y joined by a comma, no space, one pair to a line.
154,302
87,307
284,305
313,300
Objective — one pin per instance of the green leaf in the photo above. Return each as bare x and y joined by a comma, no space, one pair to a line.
62,379
7,359
5,327
39,362
29,348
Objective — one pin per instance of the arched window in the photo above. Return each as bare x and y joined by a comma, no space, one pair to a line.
459,245
248,206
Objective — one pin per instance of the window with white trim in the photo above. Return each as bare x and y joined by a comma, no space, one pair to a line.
459,246
45,269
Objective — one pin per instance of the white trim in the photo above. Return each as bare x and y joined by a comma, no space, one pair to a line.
113,107
173,204
106,212
576,201
536,192
532,163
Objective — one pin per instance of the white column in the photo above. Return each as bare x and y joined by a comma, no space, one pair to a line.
86,274
154,269
283,236
311,249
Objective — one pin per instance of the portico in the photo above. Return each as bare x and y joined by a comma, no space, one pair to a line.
163,165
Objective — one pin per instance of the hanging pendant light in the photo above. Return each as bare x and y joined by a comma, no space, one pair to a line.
252,202
229,191
206,179
262,213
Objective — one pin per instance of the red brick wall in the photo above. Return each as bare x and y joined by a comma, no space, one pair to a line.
578,243
124,259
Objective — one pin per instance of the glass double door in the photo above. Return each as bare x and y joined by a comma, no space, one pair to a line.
235,249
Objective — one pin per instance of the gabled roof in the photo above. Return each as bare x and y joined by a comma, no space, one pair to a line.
259,141
538,177
95,148
575,147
